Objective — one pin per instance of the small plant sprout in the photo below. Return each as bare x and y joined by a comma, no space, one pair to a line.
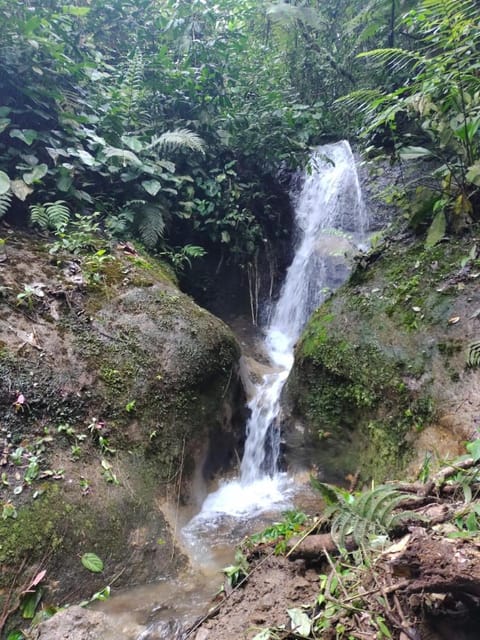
29,295
237,571
130,406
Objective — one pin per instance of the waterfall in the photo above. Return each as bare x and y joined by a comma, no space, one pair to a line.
330,222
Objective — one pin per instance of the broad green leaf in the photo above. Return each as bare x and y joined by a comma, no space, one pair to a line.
20,189
166,164
225,237
30,604
92,562
64,182
4,122
4,183
383,627
133,143
83,195
86,157
466,132
473,174
36,174
413,153
15,635
25,135
301,623
9,511
473,449
124,154
436,230
152,186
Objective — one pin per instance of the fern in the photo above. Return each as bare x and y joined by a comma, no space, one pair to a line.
5,202
152,226
473,358
369,514
396,59
52,215
178,139
133,84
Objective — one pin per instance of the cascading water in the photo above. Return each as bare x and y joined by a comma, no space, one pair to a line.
330,219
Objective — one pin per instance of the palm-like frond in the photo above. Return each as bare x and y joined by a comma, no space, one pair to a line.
152,225
368,514
51,215
473,358
5,202
396,59
178,139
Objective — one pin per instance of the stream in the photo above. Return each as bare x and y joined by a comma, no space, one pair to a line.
331,225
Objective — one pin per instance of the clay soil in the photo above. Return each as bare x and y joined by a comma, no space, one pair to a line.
275,585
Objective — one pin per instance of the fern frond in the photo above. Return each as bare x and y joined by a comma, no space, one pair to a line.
342,528
124,154
51,215
5,202
396,58
399,519
370,513
152,226
133,79
178,139
58,214
473,358
39,216
329,493
136,202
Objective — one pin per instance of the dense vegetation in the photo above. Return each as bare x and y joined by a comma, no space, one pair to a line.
178,123
173,118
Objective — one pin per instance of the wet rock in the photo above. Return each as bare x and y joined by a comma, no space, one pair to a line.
74,623
129,390
380,378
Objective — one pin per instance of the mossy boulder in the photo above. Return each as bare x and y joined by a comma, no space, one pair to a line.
115,389
380,377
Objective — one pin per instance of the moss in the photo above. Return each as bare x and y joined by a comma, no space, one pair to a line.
363,372
34,531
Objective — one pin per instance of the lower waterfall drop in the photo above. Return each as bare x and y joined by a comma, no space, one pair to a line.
330,220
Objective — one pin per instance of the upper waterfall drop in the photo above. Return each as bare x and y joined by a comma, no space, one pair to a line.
330,221
329,205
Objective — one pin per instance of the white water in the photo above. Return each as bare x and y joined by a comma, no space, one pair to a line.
330,218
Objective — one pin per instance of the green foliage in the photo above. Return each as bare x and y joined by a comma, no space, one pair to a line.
473,357
53,216
236,572
362,516
81,235
435,112
5,203
119,104
280,532
92,562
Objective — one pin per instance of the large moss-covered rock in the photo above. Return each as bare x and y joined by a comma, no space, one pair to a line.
380,377
114,388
